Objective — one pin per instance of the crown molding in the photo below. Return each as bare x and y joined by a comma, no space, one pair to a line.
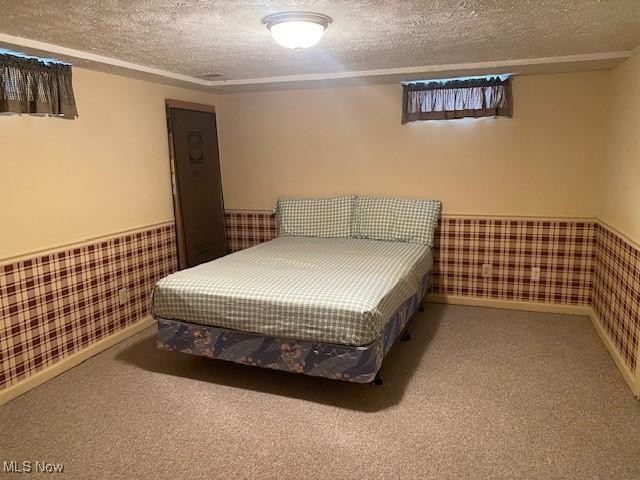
73,54
452,67
96,60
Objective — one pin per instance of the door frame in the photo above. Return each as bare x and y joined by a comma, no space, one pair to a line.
175,188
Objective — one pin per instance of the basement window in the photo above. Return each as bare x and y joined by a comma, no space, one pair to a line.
35,86
457,98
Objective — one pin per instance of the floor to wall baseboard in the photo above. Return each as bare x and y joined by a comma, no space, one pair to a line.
585,310
72,360
626,372
510,304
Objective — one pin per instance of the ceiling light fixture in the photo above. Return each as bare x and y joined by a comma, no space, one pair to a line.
297,30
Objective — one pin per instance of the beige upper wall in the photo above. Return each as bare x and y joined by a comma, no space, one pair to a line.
108,171
620,174
64,181
331,141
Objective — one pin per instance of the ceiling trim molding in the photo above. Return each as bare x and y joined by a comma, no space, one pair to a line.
589,57
71,53
94,57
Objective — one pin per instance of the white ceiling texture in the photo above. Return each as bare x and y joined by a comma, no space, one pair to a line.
185,41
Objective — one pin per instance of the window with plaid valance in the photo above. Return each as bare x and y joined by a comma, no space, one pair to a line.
35,87
446,100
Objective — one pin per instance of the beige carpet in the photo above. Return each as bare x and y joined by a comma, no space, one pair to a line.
477,394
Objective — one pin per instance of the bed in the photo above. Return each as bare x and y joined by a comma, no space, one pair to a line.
323,305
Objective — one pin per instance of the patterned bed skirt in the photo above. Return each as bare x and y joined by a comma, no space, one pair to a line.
338,362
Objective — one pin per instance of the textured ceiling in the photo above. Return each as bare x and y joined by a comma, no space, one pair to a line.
196,37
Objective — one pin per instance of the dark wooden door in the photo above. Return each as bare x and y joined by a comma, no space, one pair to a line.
198,201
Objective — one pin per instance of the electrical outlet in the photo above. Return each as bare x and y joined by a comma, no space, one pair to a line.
487,270
614,304
535,274
123,296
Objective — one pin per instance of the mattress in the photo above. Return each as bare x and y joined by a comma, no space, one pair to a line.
331,290
337,362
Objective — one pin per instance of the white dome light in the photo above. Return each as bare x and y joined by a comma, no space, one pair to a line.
297,34
297,29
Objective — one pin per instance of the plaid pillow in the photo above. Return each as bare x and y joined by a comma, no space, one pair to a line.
396,219
315,217
373,218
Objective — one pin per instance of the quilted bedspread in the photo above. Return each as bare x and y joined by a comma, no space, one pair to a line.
330,290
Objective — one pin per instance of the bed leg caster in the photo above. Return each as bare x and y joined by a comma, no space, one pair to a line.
378,380
406,336
421,309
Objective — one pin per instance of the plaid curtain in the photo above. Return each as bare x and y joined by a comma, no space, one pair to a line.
30,86
487,97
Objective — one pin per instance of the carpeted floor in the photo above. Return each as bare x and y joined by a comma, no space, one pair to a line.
477,394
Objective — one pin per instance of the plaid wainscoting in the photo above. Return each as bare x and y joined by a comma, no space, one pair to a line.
54,305
248,228
562,250
616,291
